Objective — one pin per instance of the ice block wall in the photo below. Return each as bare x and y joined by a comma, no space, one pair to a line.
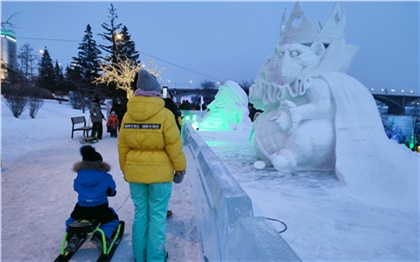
227,228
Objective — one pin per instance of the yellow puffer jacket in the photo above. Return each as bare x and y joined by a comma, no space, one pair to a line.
149,143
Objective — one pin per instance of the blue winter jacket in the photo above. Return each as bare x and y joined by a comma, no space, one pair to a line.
93,183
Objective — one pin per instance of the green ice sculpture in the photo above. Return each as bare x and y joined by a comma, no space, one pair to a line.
228,111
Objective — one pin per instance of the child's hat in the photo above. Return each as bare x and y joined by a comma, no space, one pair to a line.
89,154
113,113
147,82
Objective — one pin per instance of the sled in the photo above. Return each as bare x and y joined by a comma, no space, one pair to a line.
89,140
83,228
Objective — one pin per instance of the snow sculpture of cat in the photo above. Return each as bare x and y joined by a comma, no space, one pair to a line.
316,117
296,130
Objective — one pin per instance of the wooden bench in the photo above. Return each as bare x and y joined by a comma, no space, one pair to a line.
77,122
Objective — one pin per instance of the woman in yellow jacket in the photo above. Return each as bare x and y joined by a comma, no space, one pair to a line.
151,158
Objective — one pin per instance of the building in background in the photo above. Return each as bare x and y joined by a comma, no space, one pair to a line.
8,52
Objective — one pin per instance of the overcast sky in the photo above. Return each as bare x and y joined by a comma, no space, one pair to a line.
220,41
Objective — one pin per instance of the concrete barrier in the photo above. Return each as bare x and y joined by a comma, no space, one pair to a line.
227,228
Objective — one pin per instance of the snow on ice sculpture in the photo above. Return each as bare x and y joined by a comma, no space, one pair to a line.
228,111
315,116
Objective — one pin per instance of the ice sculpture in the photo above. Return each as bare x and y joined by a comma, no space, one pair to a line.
228,110
315,116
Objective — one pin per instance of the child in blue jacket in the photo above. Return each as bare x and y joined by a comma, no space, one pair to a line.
93,185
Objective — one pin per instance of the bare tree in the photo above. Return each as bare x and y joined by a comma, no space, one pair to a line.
123,72
16,104
209,90
15,100
35,101
7,25
206,84
79,94
27,59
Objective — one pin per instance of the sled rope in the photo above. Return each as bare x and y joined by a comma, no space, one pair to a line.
123,202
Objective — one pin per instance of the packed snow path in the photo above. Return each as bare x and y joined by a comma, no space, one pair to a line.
37,190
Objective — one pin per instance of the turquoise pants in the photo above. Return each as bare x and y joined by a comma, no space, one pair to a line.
149,227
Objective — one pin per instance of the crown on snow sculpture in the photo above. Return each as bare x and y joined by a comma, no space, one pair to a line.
298,28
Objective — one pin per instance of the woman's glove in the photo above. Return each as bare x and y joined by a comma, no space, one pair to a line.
179,176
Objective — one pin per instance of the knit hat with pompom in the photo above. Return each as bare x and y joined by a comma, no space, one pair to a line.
89,154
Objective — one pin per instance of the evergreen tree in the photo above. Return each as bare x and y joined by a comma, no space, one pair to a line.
111,35
120,48
58,73
88,61
46,77
86,67
127,47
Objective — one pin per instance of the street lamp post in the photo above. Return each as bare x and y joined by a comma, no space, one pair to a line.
116,37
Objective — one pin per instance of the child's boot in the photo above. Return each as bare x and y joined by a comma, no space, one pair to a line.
73,241
97,240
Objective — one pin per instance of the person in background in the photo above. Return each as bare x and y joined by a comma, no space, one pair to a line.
169,104
151,158
119,108
108,106
94,185
113,124
253,112
185,105
96,117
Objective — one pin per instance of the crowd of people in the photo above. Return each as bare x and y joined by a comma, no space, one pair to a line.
119,108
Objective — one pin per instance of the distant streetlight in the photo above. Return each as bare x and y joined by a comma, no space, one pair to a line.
41,51
117,37
190,83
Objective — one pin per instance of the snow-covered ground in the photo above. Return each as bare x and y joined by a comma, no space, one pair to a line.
325,222
37,190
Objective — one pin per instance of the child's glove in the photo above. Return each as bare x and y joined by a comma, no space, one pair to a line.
111,192
179,176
